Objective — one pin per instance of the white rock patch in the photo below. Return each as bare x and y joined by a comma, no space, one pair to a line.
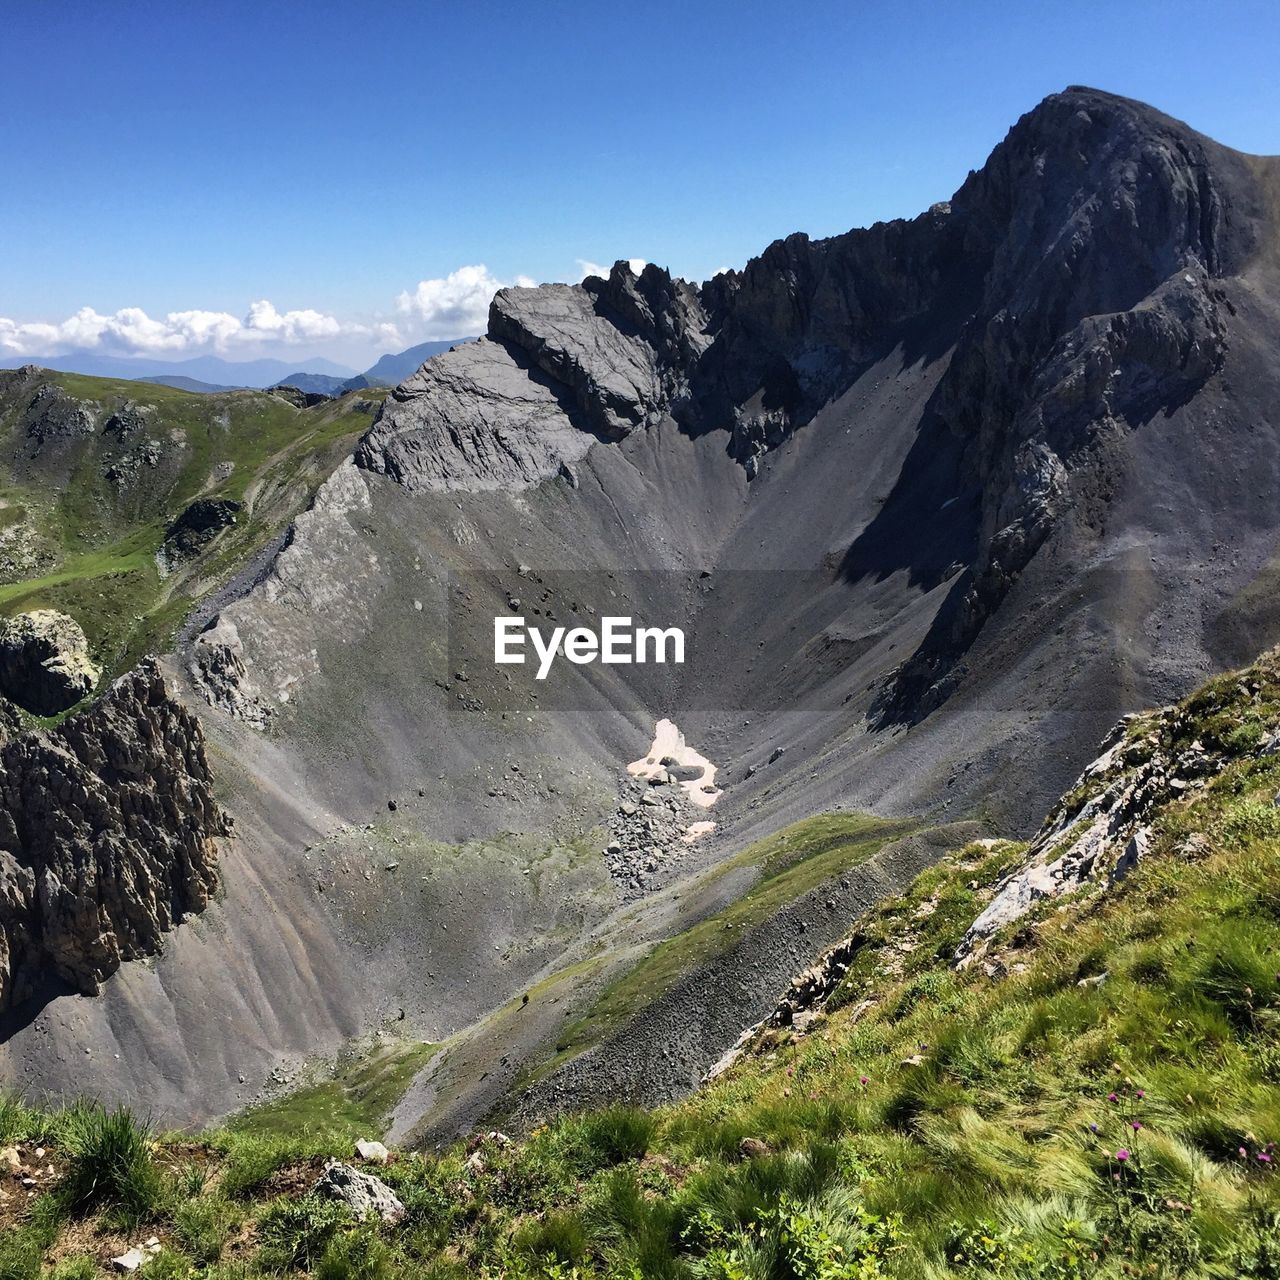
696,830
669,744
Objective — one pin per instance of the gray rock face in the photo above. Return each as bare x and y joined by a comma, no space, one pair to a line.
562,367
44,662
364,1194
1101,828
478,417
1070,284
108,831
53,417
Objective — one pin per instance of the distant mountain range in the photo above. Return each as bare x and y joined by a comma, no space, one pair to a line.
189,384
210,369
212,373
393,369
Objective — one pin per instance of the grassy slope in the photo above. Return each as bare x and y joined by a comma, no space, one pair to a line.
98,541
790,863
353,1102
934,1122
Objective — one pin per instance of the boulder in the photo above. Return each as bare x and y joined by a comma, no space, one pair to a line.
361,1192
44,662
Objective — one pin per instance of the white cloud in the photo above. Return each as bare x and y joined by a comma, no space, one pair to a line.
451,306
264,320
130,331
456,305
586,268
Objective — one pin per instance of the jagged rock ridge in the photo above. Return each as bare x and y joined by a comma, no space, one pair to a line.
108,831
1103,826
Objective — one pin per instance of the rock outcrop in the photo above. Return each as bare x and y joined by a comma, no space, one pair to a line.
561,367
44,662
298,398
198,525
52,417
108,837
1102,827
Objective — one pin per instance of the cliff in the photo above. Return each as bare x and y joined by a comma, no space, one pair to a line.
108,837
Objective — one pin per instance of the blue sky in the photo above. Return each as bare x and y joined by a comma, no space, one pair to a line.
319,160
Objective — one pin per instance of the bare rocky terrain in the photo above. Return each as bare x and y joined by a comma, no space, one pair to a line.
937,502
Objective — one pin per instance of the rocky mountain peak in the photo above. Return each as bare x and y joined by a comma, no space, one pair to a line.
1069,288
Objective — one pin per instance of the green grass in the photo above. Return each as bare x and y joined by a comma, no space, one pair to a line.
78,569
790,864
110,1164
356,1103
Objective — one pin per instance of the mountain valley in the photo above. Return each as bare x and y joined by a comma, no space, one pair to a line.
941,505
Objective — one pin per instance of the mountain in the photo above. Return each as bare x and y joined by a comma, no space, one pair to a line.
189,384
392,369
936,503
212,373
212,369
321,383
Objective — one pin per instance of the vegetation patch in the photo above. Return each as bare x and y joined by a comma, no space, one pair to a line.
790,863
89,513
355,1103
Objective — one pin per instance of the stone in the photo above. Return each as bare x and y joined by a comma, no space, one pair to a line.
129,1261
372,1152
44,662
364,1194
10,1160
